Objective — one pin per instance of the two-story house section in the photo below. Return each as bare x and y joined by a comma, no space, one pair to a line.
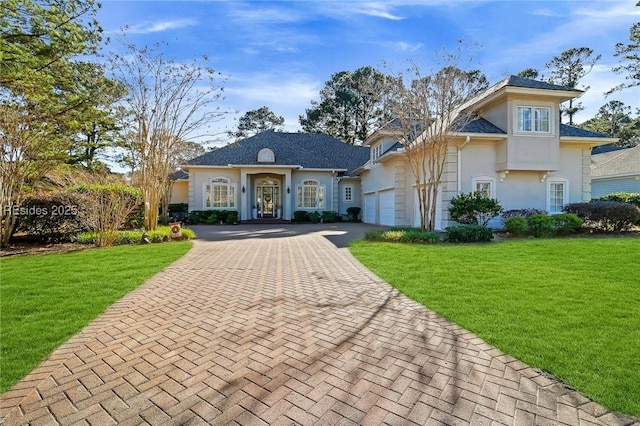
514,149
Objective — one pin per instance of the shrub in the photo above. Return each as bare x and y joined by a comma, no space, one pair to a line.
328,217
314,217
107,207
566,223
606,215
301,216
374,235
520,212
474,208
623,197
352,213
516,225
468,233
178,207
403,235
540,225
162,233
51,217
213,218
232,218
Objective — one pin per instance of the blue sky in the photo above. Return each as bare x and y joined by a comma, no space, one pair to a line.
280,53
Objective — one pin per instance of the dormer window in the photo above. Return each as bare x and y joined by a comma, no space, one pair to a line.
266,156
534,119
376,151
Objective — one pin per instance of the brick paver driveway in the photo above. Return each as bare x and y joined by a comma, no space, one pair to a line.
260,325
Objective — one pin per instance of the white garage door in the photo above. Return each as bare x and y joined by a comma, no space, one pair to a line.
388,207
416,213
369,214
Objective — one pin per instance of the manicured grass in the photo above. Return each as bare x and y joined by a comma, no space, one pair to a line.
570,307
46,299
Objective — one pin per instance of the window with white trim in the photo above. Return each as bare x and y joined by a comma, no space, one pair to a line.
348,193
484,184
557,194
310,195
265,155
534,119
219,193
376,151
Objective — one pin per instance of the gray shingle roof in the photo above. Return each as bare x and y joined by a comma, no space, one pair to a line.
620,162
480,125
515,81
309,150
566,130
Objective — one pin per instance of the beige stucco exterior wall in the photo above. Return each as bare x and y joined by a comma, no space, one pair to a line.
179,192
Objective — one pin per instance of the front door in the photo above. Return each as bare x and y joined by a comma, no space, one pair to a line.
267,198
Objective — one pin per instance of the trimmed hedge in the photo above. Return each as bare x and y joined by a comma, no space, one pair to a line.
213,217
403,235
161,234
606,215
468,234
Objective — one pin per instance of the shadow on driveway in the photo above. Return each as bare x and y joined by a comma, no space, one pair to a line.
340,234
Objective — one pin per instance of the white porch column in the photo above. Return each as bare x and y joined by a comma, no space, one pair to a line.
245,205
288,196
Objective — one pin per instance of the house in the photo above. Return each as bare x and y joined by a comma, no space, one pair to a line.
273,174
615,171
514,149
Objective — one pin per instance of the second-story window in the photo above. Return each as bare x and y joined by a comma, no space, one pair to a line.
376,151
534,119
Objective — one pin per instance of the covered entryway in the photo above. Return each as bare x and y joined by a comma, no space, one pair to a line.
268,198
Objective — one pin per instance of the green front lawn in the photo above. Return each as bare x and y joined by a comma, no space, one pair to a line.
570,307
46,299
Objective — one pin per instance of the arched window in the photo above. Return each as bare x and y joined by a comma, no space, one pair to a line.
310,195
265,155
219,193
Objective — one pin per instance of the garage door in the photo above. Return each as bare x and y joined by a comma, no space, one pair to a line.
388,207
416,213
369,214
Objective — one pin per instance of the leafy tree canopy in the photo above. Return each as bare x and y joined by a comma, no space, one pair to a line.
614,119
629,55
567,69
256,121
351,105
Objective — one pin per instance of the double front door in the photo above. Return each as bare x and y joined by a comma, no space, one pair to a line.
267,199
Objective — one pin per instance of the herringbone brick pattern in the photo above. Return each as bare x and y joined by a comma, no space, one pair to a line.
282,331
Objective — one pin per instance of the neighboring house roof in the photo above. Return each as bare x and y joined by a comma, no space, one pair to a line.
309,150
616,163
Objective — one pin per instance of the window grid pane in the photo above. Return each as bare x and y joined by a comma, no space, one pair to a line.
348,194
485,188
556,194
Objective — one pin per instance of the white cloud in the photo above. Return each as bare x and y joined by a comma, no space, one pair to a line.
579,29
158,26
545,12
403,46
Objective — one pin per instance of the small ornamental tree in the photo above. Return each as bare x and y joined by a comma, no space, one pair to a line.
106,208
474,208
